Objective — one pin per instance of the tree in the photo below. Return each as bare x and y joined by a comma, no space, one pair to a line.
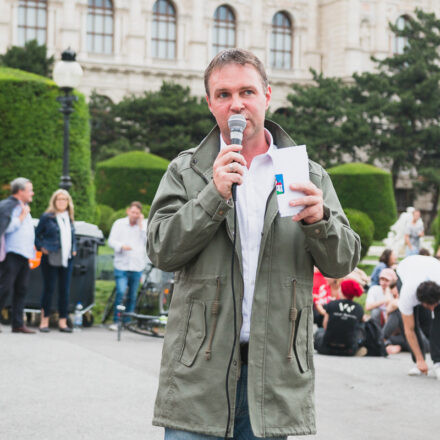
326,117
163,122
402,104
31,58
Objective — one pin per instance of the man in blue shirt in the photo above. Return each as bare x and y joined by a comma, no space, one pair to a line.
18,246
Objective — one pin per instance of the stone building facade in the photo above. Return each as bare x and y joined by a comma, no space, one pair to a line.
128,46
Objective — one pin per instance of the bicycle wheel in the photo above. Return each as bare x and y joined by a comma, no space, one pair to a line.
109,307
147,327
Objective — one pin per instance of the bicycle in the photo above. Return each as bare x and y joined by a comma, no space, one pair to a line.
159,292
110,303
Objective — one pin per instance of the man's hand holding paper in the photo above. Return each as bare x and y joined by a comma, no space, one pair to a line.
297,196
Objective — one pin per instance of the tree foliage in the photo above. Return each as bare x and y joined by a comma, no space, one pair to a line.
164,122
327,118
30,58
402,104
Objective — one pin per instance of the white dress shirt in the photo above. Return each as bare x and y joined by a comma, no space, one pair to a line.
124,234
252,195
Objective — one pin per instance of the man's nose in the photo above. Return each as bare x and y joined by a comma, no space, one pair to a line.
237,103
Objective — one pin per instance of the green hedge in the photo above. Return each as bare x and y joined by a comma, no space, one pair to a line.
104,219
368,189
128,177
362,224
31,141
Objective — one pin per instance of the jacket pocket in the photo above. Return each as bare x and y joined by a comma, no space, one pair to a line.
302,340
194,333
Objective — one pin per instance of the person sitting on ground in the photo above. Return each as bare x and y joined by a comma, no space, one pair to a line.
321,296
388,259
392,331
420,276
377,297
342,334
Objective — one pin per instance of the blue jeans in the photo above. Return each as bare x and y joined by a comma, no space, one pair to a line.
242,425
123,279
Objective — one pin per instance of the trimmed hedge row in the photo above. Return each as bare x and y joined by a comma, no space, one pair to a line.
31,140
129,176
368,189
435,229
363,226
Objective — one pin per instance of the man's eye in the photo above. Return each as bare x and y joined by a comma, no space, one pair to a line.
223,95
248,92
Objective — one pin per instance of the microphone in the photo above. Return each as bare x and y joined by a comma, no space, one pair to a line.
236,124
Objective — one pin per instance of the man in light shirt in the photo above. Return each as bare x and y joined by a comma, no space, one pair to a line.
420,277
18,247
128,237
262,385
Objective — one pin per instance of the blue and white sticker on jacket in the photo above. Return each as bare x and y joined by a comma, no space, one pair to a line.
279,183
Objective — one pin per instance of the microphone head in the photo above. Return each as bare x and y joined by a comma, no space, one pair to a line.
237,123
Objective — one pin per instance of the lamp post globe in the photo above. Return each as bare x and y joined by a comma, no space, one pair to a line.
67,75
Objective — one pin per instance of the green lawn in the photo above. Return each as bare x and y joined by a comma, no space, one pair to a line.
103,288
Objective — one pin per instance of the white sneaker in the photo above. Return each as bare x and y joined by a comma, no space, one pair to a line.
436,370
414,372
113,327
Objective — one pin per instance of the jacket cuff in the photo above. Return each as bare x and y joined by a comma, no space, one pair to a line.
319,229
213,203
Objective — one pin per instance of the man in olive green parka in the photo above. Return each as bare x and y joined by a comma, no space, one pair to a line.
191,231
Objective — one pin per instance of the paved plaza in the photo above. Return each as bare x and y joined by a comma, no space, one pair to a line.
87,385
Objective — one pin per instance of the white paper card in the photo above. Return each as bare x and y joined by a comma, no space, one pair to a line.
291,165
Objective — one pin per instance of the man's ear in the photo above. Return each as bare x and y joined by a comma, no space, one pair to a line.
209,103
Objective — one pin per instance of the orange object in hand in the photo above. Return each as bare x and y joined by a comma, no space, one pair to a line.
35,262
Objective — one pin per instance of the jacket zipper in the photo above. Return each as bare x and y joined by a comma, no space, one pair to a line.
293,313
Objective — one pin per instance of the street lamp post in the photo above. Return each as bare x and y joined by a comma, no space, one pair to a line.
67,74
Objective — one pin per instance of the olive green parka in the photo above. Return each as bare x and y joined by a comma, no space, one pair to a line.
190,232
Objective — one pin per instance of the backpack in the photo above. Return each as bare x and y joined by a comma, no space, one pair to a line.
373,340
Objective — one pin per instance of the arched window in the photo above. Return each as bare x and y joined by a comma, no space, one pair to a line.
401,42
281,42
224,29
32,21
100,26
164,30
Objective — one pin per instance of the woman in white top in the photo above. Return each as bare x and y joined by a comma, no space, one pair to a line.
55,237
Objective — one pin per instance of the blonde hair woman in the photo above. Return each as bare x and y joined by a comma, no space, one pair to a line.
55,237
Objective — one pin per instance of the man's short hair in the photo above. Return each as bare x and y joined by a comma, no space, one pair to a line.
18,184
138,205
425,252
235,56
428,292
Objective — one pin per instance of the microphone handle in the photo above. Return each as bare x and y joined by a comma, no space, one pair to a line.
236,138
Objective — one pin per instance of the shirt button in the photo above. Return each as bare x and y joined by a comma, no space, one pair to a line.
221,212
317,231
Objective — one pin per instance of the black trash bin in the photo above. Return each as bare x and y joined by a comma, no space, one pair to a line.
88,238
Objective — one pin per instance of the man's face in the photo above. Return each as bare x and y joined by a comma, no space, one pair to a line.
25,195
236,89
133,214
416,215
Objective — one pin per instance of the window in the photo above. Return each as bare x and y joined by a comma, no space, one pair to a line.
281,42
100,26
164,30
32,21
401,42
224,29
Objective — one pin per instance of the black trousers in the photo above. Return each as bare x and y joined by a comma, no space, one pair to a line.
430,322
50,276
14,280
